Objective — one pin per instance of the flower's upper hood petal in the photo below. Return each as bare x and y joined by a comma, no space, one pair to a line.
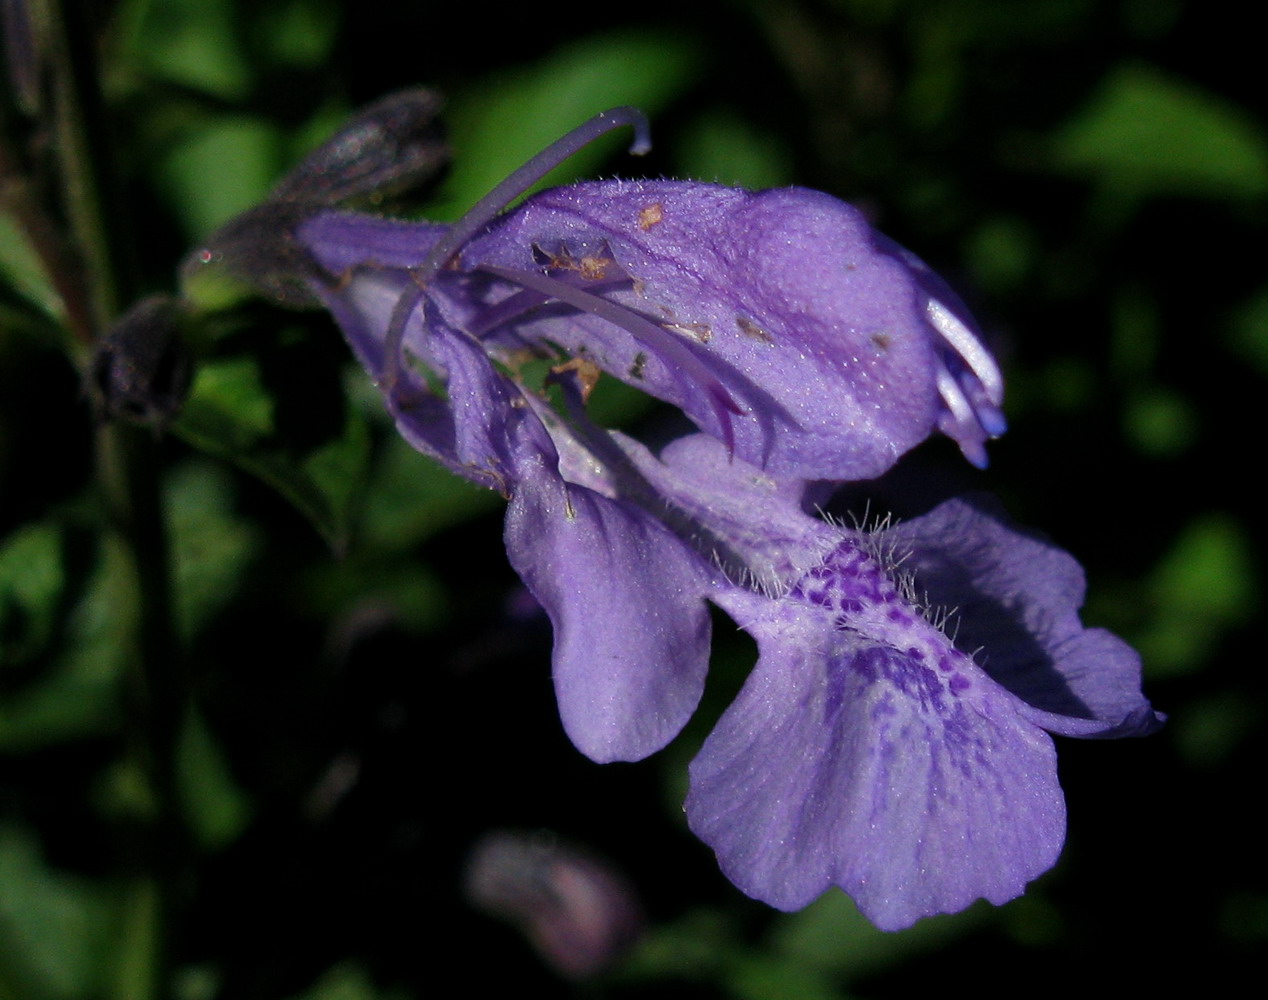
779,321
349,243
816,329
1017,598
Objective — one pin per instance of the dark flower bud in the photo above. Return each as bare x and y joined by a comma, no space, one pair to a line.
395,144
141,369
391,146
257,250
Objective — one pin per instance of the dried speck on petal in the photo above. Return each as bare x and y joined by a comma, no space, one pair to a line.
650,216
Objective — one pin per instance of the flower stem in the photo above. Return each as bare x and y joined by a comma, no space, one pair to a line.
127,469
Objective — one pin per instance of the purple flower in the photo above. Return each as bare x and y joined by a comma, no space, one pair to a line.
869,749
778,321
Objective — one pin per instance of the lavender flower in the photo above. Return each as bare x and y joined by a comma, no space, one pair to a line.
869,749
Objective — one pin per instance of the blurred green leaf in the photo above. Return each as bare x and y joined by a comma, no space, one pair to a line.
1249,330
1160,422
221,168
722,146
1202,586
831,934
57,929
31,586
76,694
26,283
1144,133
300,33
136,937
211,547
767,977
217,809
345,982
196,45
1208,731
233,414
412,498
508,120
1002,253
694,947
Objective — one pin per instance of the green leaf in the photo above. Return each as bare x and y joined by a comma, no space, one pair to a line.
57,929
722,147
217,809
1248,333
26,284
346,982
76,692
1145,133
412,498
211,547
224,166
1204,585
816,937
31,586
498,127
235,412
196,45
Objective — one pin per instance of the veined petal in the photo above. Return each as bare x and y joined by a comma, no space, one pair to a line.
847,761
1017,598
812,326
627,602
344,242
469,415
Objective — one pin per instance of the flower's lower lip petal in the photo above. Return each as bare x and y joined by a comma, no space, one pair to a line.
626,599
836,767
1017,598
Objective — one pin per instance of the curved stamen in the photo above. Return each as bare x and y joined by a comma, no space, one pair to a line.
687,370
510,308
960,422
487,208
966,344
393,342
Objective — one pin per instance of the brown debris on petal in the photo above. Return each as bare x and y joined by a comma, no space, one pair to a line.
753,330
696,331
587,374
594,268
651,216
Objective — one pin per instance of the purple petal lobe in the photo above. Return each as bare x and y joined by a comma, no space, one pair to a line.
849,761
469,416
1017,598
626,599
343,241
822,336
